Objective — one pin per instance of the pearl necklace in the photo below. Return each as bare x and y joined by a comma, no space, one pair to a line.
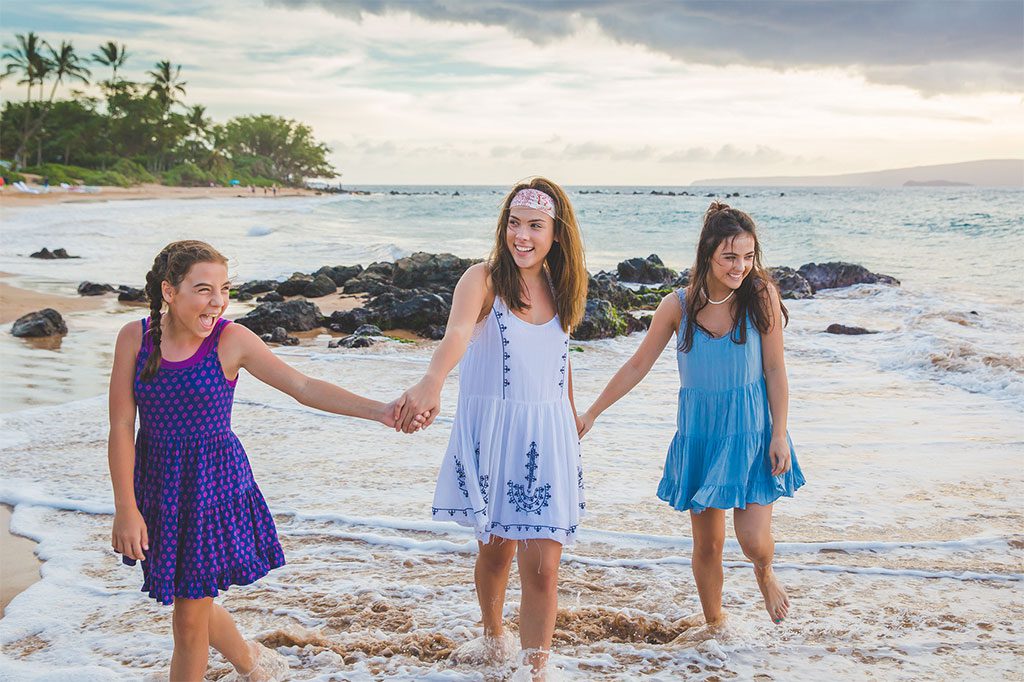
708,296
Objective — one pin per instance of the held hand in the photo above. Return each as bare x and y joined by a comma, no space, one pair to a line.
422,403
130,536
388,414
584,422
778,450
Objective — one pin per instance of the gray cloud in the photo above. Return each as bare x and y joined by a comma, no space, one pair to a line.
933,47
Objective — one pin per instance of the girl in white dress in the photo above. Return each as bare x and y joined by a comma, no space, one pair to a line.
512,470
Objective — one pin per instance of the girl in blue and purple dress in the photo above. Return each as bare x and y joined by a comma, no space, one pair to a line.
186,504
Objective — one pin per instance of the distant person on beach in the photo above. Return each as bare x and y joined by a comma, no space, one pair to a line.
512,470
186,503
731,449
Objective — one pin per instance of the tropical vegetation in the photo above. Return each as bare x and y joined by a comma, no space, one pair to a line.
112,130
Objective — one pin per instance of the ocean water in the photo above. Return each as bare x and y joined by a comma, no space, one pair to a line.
903,555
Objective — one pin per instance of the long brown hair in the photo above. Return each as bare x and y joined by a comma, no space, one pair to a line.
721,223
170,265
565,261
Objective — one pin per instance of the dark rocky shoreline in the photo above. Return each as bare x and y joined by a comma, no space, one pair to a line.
415,294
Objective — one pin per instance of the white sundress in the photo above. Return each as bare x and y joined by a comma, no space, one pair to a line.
513,467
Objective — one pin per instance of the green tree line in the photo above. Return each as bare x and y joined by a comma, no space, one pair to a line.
137,131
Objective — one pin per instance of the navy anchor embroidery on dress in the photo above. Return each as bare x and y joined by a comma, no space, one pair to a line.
504,343
460,473
565,355
579,483
485,483
525,498
484,479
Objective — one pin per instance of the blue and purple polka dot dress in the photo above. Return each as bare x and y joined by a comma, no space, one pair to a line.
209,526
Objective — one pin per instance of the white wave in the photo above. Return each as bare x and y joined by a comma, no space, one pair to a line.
259,231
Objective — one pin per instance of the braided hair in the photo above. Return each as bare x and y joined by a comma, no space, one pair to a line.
170,265
722,222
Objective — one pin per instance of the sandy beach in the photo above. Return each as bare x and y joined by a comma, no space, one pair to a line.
19,566
11,197
17,301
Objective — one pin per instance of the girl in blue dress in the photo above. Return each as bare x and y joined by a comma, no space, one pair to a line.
731,449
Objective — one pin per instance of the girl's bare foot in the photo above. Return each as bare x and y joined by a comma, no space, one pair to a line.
489,650
267,666
775,600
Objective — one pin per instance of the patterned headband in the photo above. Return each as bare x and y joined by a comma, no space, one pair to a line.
535,199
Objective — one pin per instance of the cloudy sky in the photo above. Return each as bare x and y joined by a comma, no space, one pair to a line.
587,92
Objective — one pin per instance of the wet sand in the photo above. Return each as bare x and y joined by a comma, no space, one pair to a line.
11,197
16,301
19,566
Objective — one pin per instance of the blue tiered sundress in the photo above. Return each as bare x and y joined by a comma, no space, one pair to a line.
719,455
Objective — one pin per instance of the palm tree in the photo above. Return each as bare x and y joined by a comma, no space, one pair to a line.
65,64
113,55
26,57
199,126
166,85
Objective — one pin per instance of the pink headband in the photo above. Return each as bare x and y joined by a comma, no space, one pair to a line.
535,199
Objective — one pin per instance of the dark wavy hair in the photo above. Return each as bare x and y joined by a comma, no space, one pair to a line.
721,222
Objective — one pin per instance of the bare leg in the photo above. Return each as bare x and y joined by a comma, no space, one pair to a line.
538,570
708,540
225,638
754,532
491,576
191,624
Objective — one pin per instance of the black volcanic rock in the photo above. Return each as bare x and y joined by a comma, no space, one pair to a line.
131,294
347,321
257,286
605,286
294,285
648,270
269,297
601,321
320,286
430,270
297,315
851,331
791,283
353,342
45,322
94,289
56,254
838,274
280,335
339,274
419,312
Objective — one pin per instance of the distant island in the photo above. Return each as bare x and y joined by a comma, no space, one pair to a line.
986,173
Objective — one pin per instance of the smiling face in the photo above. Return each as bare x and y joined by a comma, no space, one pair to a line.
732,261
529,235
200,299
